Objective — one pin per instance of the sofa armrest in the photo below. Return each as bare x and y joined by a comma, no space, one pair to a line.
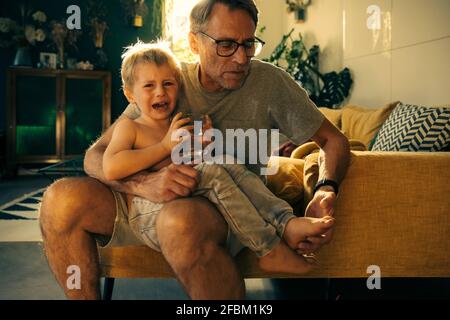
392,211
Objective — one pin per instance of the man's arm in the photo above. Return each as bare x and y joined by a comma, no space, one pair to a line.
165,185
334,156
334,159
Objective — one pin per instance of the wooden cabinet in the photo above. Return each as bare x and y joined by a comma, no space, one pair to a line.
54,115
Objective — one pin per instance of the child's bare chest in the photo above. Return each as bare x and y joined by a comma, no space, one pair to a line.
146,137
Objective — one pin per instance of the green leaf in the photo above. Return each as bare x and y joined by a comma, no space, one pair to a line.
329,89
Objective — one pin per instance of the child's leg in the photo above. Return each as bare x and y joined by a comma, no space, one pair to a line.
244,220
274,210
240,214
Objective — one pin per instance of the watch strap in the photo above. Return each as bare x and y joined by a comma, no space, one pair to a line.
326,182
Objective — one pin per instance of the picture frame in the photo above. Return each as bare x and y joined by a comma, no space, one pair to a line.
48,60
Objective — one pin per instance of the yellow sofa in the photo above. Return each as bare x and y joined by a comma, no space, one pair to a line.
393,211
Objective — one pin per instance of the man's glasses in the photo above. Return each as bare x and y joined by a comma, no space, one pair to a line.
226,48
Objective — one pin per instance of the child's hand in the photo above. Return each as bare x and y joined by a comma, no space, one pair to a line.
207,123
176,124
207,136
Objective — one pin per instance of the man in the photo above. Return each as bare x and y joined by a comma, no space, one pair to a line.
193,236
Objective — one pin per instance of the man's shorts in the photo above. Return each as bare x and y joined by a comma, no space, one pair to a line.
131,229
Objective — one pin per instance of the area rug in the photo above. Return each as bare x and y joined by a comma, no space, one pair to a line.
19,218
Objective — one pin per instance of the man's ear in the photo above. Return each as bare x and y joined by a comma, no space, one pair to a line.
128,94
193,42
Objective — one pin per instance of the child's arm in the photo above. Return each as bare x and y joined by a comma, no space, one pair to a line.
120,159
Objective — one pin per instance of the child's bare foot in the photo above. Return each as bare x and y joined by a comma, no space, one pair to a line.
298,229
283,259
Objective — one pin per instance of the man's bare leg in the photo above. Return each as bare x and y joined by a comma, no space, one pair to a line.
72,211
283,257
192,233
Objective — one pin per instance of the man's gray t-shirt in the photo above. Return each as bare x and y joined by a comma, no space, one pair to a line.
268,99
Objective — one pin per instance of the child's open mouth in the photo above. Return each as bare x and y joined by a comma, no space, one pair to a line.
160,106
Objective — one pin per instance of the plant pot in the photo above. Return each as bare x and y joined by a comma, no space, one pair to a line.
23,57
300,15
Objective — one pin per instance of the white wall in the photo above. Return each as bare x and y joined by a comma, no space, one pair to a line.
408,59
323,27
272,14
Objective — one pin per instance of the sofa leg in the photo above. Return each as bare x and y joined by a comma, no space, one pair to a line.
108,288
331,293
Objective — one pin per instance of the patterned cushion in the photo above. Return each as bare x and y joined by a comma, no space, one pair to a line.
414,128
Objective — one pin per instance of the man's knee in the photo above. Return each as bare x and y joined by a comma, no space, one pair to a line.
68,202
193,219
190,232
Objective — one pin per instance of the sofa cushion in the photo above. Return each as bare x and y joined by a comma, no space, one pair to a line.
333,115
308,148
415,128
287,183
363,123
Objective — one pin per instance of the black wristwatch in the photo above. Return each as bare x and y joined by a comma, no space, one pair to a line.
326,182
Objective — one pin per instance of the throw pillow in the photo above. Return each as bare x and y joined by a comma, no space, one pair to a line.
363,123
333,115
415,128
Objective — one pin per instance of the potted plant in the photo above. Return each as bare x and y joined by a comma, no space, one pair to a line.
28,36
325,89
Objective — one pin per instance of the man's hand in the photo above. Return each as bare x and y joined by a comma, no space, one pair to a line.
320,206
169,183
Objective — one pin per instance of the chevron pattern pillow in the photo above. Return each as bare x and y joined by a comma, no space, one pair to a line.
414,128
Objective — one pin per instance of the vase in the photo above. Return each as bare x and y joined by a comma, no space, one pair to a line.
23,57
137,21
101,59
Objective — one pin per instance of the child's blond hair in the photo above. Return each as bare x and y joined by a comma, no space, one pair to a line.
157,52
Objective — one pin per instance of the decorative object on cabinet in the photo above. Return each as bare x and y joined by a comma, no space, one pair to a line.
96,12
136,10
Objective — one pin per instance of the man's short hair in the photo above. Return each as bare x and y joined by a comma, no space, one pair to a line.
157,52
202,11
